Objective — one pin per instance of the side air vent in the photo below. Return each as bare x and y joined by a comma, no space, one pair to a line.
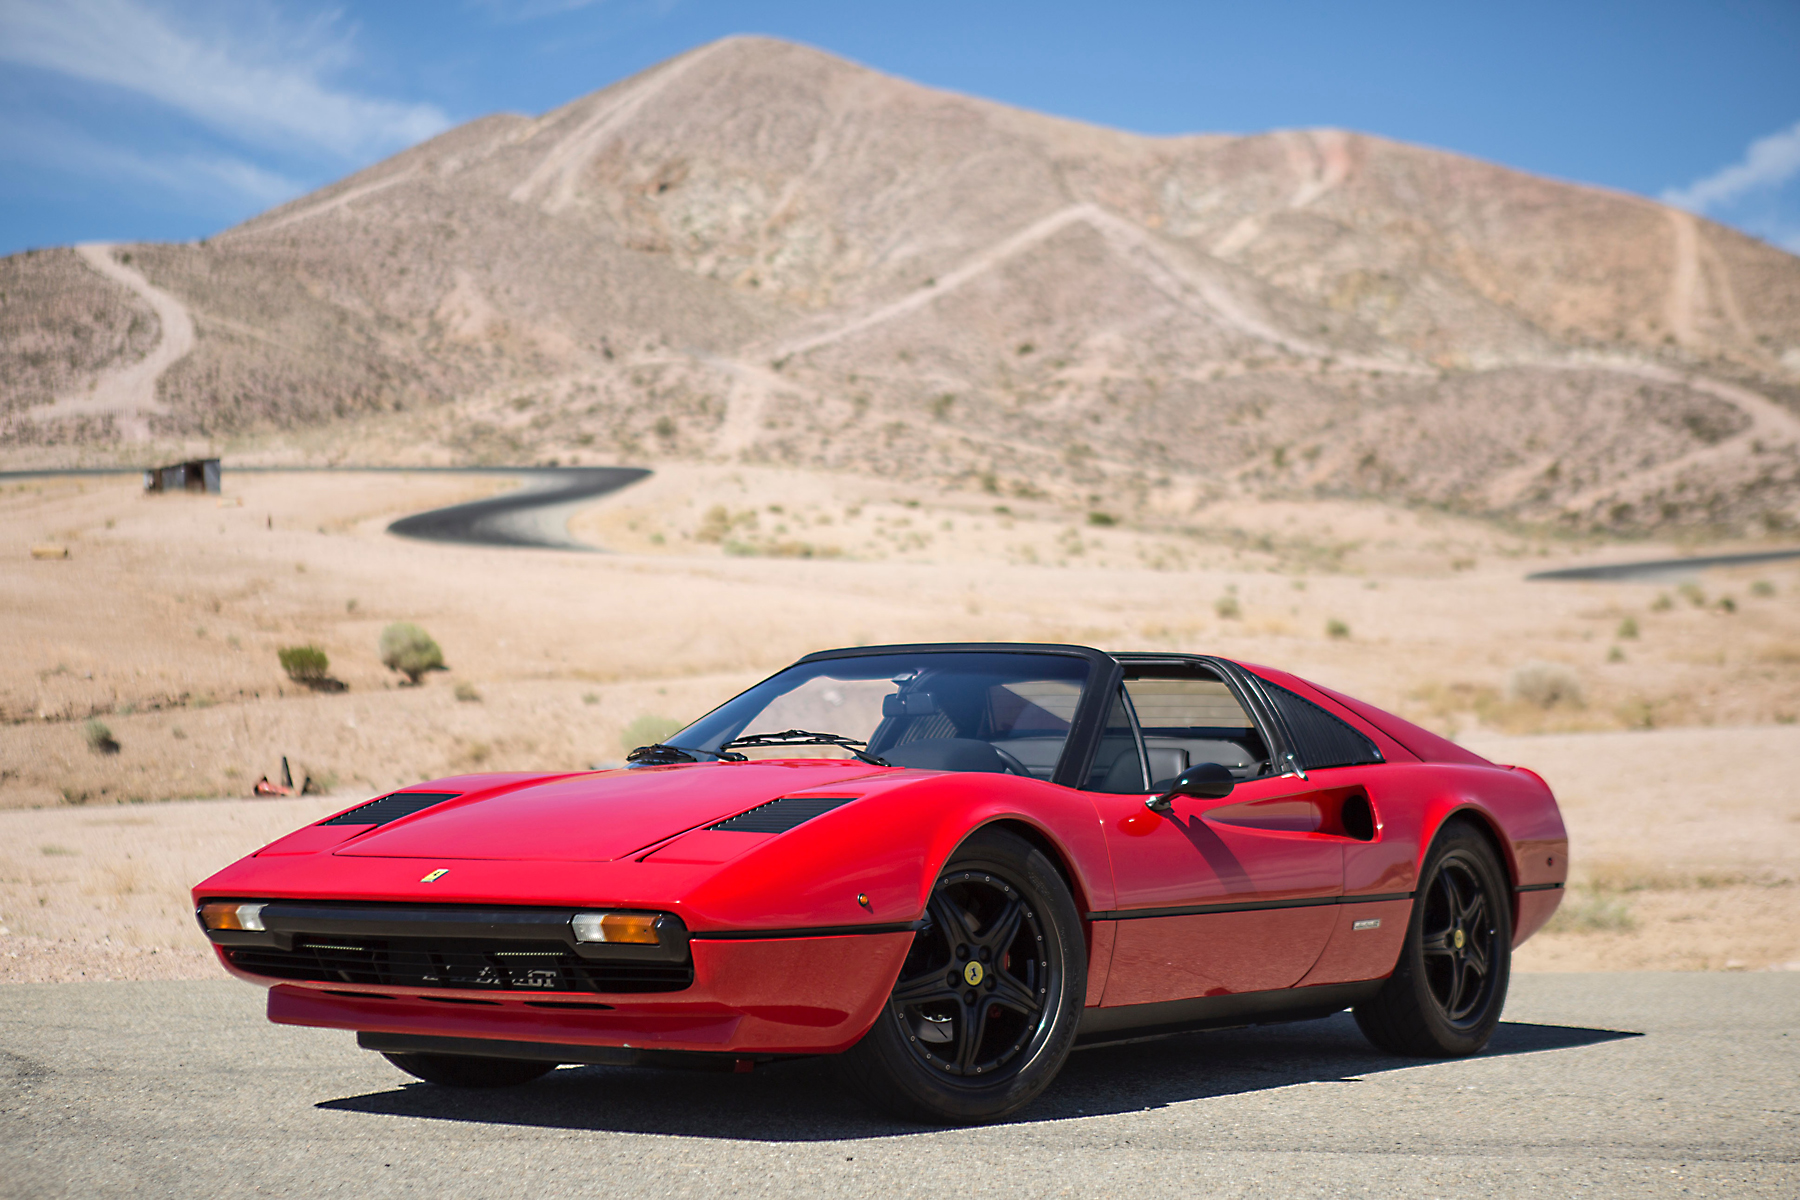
1321,739
779,816
390,808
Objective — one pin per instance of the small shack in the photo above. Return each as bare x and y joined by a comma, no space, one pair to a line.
200,475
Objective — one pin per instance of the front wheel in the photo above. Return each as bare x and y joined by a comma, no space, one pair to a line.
470,1070
984,1013
1445,995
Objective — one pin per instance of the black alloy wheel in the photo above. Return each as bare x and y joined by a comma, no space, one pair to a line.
1457,939
984,1012
470,1070
1448,989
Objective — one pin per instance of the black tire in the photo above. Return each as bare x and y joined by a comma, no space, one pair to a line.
928,1057
1445,995
470,1070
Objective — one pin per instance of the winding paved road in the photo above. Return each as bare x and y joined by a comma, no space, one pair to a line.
1660,570
535,515
1614,1085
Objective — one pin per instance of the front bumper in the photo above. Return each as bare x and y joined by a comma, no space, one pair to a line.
780,995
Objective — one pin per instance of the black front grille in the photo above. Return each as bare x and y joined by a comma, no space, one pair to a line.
481,964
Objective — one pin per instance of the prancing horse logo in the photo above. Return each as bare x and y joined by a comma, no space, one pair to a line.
436,875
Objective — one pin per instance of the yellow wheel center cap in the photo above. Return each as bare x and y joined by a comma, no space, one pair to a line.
972,973
1459,939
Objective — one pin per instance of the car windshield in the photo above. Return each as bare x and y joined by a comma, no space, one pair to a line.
944,710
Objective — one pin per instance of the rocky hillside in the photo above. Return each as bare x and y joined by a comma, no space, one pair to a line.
757,252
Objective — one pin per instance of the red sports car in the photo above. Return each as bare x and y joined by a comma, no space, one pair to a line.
947,865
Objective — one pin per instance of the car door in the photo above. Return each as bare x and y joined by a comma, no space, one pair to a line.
1214,897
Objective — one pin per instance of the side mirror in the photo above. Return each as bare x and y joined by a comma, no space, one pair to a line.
1208,781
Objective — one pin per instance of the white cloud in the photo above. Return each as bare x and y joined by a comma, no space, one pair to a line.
1769,162
268,87
220,183
529,10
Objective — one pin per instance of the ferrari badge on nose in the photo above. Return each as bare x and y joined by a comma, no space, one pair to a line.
436,875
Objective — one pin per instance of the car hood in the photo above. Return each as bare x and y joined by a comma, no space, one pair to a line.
595,818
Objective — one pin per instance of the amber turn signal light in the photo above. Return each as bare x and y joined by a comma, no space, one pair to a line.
229,914
636,929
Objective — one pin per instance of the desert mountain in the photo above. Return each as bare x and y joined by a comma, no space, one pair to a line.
757,252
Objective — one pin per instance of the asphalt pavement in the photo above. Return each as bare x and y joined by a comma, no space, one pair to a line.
535,515
1596,1085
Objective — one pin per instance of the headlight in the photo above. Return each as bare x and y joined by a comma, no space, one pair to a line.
638,929
229,914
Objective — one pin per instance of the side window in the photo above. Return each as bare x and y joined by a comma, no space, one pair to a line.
1191,720
1321,739
1117,766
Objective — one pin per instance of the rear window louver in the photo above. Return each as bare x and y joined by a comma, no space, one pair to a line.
779,816
390,808
1321,739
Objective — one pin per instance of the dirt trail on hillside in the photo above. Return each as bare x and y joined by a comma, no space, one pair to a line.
1156,261
128,393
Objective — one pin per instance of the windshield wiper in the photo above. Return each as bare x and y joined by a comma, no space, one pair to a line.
659,755
805,737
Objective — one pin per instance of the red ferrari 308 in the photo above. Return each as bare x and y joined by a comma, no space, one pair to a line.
947,865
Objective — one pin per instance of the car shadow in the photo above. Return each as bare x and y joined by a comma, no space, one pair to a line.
802,1101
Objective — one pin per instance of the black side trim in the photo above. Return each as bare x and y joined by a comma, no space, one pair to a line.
779,816
555,1052
744,935
1537,887
390,808
1195,910
1134,1022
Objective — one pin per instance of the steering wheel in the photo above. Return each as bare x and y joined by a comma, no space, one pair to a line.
1013,765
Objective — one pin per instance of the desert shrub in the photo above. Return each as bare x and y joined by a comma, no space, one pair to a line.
1762,588
1615,655
1228,608
1335,628
715,525
1663,603
466,691
409,650
99,737
648,730
1628,628
1546,685
304,664
1102,518
1592,912
1727,604
1693,594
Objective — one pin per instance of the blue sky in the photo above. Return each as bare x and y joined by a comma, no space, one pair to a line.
155,119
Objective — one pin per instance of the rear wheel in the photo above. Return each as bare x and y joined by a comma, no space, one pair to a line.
984,1012
470,1070
1445,995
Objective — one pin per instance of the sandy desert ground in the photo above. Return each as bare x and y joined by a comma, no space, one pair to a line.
1670,735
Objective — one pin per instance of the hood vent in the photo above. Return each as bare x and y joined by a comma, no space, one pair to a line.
779,816
390,808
